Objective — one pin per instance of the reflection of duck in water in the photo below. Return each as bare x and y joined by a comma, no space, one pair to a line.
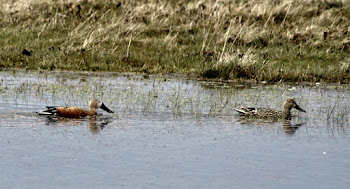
95,124
289,128
75,112
268,113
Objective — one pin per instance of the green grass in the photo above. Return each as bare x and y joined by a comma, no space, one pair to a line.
270,40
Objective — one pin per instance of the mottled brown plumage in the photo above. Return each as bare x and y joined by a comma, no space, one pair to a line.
268,113
76,112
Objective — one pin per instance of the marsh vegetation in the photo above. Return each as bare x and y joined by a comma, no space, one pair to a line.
160,95
272,40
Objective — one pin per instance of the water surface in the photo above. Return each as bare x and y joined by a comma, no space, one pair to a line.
169,132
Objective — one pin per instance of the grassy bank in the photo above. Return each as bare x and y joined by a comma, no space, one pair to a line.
269,40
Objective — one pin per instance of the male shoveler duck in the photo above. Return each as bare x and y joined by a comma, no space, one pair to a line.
76,112
268,113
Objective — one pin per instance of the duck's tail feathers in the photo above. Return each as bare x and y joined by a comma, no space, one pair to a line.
51,110
241,111
244,110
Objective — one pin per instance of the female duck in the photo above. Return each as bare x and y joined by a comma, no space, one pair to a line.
267,113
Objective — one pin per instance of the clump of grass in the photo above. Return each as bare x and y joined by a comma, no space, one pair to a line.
234,65
296,40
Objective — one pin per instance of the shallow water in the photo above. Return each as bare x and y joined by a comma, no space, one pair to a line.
169,132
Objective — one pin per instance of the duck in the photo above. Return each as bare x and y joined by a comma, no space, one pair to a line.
74,111
269,113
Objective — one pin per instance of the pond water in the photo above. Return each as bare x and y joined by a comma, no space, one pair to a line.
169,132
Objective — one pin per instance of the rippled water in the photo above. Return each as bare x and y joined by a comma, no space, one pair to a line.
169,132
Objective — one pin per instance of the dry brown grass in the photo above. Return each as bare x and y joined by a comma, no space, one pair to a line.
274,40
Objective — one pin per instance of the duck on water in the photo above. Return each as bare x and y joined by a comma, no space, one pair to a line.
269,113
75,112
